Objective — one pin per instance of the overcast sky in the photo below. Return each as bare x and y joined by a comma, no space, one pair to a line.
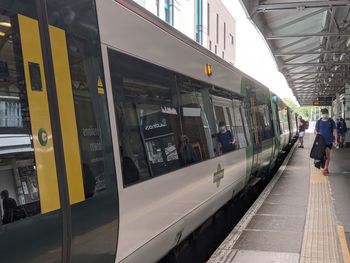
253,55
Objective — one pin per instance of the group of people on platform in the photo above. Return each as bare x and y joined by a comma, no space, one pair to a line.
332,133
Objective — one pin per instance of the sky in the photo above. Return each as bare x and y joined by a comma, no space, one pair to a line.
253,56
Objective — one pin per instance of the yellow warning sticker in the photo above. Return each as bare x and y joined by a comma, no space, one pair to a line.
100,88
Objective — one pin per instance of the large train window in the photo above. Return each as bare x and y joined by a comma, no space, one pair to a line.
18,174
165,120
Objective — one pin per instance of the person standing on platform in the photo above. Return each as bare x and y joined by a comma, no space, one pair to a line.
326,127
301,130
340,131
343,132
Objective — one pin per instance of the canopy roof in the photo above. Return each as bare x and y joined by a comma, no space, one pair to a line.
310,41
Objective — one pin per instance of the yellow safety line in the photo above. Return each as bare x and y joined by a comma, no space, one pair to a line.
343,244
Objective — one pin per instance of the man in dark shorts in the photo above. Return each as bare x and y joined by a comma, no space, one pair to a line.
328,130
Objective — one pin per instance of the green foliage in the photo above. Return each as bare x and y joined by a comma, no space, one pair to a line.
305,111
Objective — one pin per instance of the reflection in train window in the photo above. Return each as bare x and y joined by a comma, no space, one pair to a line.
197,143
265,120
283,118
227,111
167,121
18,177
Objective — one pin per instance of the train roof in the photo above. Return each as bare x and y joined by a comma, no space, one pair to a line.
104,10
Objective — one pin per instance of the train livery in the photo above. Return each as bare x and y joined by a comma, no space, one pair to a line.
110,147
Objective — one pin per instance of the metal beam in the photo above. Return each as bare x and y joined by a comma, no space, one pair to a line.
313,72
280,6
315,34
316,64
310,53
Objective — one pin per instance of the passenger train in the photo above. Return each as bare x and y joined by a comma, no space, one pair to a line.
110,145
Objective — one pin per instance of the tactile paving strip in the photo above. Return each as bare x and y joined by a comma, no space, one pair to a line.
320,244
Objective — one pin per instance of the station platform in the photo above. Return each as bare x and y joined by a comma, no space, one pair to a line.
301,216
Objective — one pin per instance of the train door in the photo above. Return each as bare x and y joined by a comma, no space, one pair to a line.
57,175
257,147
31,212
75,42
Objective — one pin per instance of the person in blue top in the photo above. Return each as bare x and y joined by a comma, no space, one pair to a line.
226,139
341,132
327,129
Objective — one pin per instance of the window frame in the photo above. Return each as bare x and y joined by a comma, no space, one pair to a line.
132,59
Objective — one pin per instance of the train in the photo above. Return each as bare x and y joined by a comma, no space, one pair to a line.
120,136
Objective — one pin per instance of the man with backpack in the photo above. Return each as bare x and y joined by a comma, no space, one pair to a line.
327,129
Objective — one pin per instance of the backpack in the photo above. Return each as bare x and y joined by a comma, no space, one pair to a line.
306,125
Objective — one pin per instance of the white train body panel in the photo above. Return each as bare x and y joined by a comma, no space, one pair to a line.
153,213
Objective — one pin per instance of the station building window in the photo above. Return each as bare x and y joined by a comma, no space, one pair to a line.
169,11
167,121
199,21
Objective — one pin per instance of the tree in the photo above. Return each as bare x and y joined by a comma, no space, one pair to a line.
304,111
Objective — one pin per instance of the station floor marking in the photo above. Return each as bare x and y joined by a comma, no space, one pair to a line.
320,241
343,244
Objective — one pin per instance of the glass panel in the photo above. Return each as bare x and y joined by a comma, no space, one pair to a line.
227,111
18,179
194,122
80,25
99,210
147,116
167,121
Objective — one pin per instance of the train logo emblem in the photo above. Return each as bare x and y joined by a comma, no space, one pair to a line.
218,175
42,136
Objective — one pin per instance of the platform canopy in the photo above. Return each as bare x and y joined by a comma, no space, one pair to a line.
310,41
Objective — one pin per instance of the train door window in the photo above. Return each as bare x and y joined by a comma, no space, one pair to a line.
18,174
245,124
239,125
264,115
283,118
194,123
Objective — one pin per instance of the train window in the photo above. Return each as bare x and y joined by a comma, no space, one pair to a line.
165,120
239,125
80,26
19,187
227,113
283,118
147,115
265,121
245,124
196,137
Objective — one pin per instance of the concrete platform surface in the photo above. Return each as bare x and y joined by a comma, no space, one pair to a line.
297,217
